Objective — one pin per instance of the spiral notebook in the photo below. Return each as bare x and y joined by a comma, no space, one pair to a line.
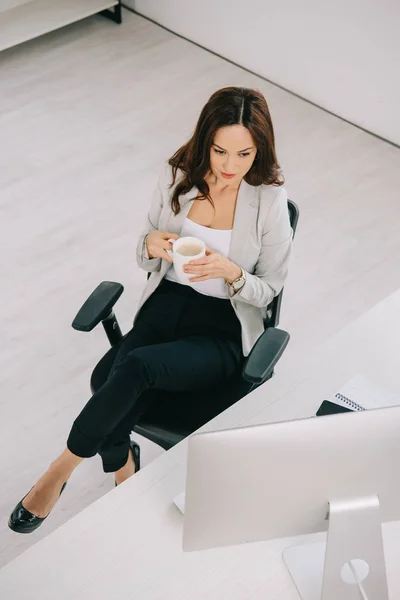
359,393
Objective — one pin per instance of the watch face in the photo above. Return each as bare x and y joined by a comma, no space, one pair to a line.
238,284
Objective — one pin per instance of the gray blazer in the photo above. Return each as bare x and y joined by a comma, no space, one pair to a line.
261,244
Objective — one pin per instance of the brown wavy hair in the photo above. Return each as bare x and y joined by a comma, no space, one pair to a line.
228,106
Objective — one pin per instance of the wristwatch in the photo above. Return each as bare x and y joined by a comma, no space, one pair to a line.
237,285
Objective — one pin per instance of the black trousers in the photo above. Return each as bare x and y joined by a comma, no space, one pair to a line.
181,341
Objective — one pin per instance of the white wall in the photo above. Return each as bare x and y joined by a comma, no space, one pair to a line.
344,56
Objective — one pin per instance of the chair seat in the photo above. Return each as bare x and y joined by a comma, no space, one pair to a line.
169,417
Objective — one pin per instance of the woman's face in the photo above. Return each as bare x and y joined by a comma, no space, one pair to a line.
232,154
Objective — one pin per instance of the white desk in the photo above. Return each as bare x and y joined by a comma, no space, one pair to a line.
22,20
101,554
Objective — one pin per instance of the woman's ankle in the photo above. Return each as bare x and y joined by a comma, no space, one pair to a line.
120,477
64,465
127,470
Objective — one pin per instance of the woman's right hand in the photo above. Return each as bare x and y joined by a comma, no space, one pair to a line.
157,244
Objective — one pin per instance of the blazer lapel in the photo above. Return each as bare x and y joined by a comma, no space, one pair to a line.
245,216
175,222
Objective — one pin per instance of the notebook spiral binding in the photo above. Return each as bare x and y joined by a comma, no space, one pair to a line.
348,402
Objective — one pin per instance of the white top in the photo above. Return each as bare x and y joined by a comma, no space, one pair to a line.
215,239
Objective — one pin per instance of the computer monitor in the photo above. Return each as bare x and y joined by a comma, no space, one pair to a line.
299,477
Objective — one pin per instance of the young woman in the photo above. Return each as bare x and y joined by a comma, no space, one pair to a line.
223,187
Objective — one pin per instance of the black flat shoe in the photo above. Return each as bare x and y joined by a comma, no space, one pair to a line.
136,456
23,521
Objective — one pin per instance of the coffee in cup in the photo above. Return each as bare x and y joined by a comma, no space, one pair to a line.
189,249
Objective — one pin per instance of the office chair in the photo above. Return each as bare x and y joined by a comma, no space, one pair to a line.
170,417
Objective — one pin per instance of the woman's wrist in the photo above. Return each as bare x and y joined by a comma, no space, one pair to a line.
146,252
233,274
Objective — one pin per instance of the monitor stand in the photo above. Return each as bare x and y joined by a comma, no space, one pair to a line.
351,564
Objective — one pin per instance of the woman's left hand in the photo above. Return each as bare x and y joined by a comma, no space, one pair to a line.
212,266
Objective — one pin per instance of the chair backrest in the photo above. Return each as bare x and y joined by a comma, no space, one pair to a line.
274,309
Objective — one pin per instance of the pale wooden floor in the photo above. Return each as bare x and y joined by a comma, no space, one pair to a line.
88,114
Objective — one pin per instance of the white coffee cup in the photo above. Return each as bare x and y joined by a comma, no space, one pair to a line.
183,251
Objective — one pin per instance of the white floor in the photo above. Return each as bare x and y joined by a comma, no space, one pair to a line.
88,114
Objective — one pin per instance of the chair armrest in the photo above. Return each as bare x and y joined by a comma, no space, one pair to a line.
98,306
264,355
